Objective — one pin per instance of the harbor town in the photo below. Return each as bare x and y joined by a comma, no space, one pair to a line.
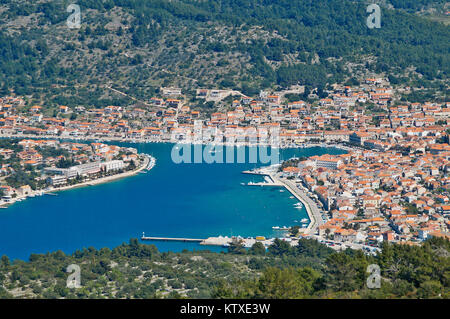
392,184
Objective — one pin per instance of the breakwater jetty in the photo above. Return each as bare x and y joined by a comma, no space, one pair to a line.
172,239
223,241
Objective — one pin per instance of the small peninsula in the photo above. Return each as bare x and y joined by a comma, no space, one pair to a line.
34,167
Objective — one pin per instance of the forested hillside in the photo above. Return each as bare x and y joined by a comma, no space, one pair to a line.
139,45
417,5
309,270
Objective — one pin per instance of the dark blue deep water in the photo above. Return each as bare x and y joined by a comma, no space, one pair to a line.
171,200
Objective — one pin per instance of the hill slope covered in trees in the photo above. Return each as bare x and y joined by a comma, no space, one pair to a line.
309,270
139,45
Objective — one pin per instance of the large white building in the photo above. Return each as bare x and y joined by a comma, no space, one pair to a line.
83,169
88,168
113,165
57,180
61,175
327,161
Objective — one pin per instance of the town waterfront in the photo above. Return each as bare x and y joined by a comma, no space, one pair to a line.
171,200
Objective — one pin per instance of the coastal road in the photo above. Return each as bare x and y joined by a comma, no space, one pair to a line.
313,211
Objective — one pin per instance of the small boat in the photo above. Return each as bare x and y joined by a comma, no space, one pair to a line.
151,163
275,227
281,191
304,220
281,228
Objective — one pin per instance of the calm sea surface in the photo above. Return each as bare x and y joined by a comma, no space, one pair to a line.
171,200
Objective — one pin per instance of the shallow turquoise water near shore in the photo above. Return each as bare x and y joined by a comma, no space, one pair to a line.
171,200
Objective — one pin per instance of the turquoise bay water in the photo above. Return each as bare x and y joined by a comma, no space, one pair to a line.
171,200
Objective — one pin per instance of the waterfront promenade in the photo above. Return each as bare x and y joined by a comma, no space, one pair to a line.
312,210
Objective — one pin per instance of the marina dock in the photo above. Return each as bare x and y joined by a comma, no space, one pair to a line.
264,184
267,183
268,180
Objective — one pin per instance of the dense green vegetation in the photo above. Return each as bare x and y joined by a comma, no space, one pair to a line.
415,5
310,270
12,144
138,45
407,272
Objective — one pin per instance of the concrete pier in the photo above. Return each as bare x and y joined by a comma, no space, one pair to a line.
214,241
172,239
265,184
